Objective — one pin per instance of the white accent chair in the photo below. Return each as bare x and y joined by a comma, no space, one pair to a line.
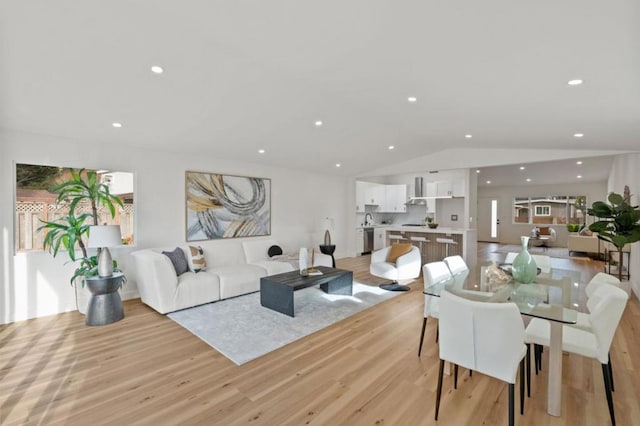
542,261
469,338
456,265
606,306
432,273
406,267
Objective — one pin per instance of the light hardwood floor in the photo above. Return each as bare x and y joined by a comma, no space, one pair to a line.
146,369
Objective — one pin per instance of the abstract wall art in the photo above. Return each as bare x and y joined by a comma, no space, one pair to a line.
226,206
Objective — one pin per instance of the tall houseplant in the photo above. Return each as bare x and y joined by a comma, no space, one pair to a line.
619,222
73,229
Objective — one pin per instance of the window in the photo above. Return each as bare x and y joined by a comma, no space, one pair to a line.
35,203
543,210
549,210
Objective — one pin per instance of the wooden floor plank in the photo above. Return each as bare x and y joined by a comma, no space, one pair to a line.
147,369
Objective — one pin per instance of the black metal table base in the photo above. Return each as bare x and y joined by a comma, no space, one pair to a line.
394,287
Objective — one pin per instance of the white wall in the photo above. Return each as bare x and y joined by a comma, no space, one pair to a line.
626,171
35,284
510,232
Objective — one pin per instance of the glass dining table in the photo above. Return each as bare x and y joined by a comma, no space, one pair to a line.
555,296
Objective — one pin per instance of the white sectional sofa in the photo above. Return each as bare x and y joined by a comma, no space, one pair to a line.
233,268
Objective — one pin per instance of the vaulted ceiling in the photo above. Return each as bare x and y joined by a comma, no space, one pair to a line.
244,76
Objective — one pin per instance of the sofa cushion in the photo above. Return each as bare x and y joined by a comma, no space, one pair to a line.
237,280
273,267
196,289
257,250
195,257
178,260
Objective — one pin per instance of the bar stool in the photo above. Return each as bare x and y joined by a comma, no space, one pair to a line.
420,240
448,242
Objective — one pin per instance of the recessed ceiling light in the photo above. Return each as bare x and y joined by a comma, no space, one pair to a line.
488,181
578,135
391,147
116,125
468,136
579,176
337,164
578,162
478,171
157,69
261,151
521,167
318,123
528,180
412,99
575,82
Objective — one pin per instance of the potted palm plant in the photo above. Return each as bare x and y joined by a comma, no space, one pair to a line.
618,224
71,231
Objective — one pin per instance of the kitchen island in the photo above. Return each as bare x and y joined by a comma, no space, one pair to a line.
425,238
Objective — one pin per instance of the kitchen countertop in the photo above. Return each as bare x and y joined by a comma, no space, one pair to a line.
426,229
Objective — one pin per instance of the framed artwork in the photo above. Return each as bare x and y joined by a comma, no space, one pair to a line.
226,206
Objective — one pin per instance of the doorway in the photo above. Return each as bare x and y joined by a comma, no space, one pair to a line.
489,219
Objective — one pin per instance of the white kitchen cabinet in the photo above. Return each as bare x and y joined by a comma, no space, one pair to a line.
459,188
370,194
378,238
359,241
444,189
395,199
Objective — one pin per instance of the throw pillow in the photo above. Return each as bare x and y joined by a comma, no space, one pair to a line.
398,250
196,259
178,260
274,251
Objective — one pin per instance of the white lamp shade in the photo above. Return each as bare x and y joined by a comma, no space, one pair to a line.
104,236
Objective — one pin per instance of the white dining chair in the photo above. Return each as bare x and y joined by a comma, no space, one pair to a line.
605,312
456,264
484,337
432,273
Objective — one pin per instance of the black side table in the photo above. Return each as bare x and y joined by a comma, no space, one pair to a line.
105,305
329,249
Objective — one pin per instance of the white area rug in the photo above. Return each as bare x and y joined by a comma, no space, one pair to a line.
242,330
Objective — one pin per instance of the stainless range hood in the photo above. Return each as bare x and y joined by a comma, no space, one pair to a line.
418,199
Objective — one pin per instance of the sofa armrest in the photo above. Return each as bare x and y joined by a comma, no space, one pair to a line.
156,279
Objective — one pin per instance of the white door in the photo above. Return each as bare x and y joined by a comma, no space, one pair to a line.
488,219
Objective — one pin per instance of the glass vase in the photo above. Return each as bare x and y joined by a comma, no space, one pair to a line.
524,268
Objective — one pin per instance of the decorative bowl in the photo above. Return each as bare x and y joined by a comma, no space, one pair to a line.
432,225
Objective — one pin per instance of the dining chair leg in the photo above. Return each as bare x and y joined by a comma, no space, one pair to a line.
607,388
437,333
424,326
439,391
511,398
470,373
611,374
455,376
522,387
528,367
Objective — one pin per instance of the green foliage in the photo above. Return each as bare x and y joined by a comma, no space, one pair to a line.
36,177
618,222
573,227
72,229
89,268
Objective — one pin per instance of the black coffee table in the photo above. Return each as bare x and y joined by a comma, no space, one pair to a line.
276,291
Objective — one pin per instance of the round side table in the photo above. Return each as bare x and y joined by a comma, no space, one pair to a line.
329,249
105,305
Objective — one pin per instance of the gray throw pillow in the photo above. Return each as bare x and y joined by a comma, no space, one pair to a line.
178,260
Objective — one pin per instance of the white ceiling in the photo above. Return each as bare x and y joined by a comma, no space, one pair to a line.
593,169
247,75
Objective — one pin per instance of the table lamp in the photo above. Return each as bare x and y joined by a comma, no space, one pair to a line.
103,237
